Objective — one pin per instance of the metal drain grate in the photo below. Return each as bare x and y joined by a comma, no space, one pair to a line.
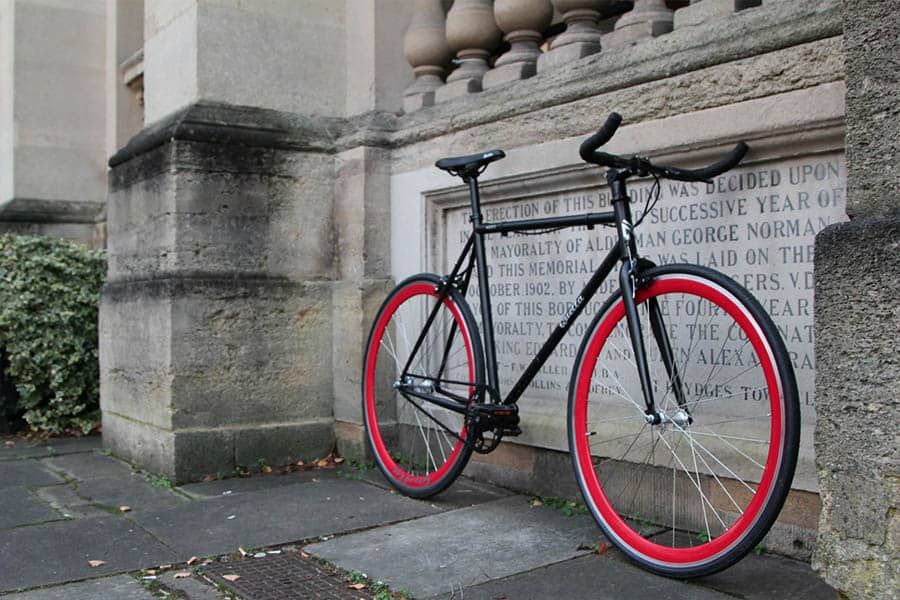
286,576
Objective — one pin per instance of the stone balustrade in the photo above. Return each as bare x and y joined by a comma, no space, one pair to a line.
482,44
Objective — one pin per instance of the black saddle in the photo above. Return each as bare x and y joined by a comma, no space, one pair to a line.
471,165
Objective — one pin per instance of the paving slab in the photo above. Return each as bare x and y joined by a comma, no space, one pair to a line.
27,472
462,548
120,587
255,483
464,491
589,577
92,465
64,499
45,448
762,577
276,516
189,587
131,490
59,552
18,506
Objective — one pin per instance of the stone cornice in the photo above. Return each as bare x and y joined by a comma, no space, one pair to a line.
221,123
38,210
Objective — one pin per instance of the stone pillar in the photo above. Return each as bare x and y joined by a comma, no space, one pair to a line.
857,272
648,19
473,34
52,117
426,49
216,321
701,11
362,222
581,37
523,22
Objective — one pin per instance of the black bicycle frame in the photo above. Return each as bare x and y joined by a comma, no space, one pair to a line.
625,251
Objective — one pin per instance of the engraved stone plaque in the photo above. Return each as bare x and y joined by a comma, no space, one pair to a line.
756,224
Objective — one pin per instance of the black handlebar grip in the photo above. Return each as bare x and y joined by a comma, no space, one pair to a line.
726,164
586,150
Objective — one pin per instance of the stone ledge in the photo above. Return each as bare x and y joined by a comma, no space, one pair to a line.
38,210
766,29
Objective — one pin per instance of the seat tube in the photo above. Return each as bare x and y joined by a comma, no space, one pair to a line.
487,321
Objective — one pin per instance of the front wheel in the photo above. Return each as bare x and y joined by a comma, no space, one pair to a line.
421,345
695,492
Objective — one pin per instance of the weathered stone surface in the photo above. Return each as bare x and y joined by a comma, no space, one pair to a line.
857,285
120,587
21,507
216,322
857,269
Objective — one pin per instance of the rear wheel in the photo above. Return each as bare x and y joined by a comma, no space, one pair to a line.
694,493
419,446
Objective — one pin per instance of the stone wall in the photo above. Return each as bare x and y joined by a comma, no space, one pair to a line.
857,321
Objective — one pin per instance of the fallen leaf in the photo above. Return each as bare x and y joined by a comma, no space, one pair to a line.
304,555
300,463
124,508
267,469
602,548
150,572
231,577
96,563
208,478
356,586
322,462
338,460
165,567
181,574
537,503
192,560
9,443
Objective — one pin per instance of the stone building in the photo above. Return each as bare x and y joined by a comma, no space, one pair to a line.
271,175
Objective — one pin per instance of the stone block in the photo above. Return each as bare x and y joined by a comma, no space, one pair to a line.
565,55
457,89
284,444
417,101
351,441
699,12
506,73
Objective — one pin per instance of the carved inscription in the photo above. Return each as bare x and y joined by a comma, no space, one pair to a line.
756,224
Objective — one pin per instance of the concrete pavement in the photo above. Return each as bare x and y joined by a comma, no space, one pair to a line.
78,524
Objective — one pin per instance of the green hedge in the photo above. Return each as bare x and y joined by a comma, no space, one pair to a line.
49,292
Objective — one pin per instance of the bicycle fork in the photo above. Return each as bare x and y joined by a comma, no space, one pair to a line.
629,282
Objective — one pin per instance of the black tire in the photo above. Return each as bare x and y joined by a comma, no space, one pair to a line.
726,455
420,447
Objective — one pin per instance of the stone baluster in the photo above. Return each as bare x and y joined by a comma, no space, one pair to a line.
648,19
582,35
473,34
426,49
523,22
703,10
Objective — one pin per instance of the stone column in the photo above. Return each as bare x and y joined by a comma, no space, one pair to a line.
426,49
216,321
581,37
701,11
857,326
648,19
523,22
473,34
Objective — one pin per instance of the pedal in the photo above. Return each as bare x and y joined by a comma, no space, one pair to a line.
500,418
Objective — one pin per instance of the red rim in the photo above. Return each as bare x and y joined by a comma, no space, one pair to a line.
384,456
650,550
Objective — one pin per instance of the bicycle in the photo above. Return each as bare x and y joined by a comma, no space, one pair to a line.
683,458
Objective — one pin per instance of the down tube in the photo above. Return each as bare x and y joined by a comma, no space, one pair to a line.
563,326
